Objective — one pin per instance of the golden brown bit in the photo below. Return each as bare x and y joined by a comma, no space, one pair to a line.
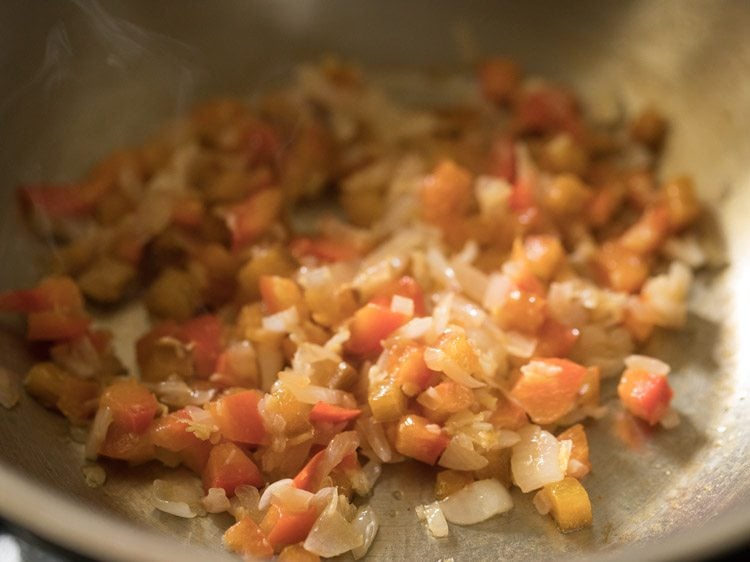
498,466
649,128
294,413
174,294
562,154
523,311
56,388
569,503
387,401
449,482
446,193
444,399
296,553
165,358
107,280
620,268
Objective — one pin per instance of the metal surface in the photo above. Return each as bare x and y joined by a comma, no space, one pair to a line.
77,82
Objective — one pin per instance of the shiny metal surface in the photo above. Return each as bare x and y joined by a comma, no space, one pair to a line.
78,81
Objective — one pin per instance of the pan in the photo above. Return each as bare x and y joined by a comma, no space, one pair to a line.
81,78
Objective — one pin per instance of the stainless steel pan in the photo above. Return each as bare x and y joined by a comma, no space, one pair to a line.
79,79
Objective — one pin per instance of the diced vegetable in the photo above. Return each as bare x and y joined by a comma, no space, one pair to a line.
228,468
370,325
579,464
569,503
645,395
238,418
251,219
323,412
548,388
417,438
291,528
448,482
133,406
246,538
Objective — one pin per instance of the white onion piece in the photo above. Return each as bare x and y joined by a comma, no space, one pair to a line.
460,455
649,364
473,280
177,498
541,502
340,446
201,423
402,305
364,480
284,322
216,501
437,360
265,498
78,356
312,394
670,420
332,534
507,438
435,519
440,269
440,317
175,392
492,194
10,391
98,432
248,498
284,494
375,435
94,475
415,328
477,502
535,460
365,522
519,345
496,291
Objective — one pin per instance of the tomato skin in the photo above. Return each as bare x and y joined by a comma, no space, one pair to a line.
548,388
238,417
370,326
228,467
645,395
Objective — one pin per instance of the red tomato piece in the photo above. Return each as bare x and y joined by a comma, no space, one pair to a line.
645,395
229,467
133,406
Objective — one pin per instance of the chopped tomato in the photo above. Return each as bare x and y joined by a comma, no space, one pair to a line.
324,412
249,220
229,467
419,439
238,418
645,395
291,528
133,406
324,249
370,326
548,388
547,108
246,538
405,286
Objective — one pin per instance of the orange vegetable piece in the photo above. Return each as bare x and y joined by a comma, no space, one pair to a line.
445,399
620,268
246,538
297,553
555,339
205,335
648,233
508,414
306,478
238,418
324,412
579,464
499,77
249,220
170,432
60,201
502,158
77,399
547,108
645,395
278,293
548,388
419,439
405,286
446,193
370,326
133,406
324,249
407,368
523,311
291,528
229,467
136,448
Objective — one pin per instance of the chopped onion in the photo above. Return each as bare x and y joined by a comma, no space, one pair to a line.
440,269
177,498
519,345
10,391
440,317
284,322
94,475
536,459
649,364
477,502
507,438
78,356
201,423
375,435
332,534
496,291
473,280
437,360
415,328
98,431
308,393
541,502
216,501
284,494
247,499
340,446
402,305
434,517
177,393
364,480
460,455
670,420
365,522
492,194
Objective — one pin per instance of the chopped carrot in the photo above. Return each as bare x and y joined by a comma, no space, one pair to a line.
548,388
324,412
645,395
246,538
229,467
291,528
238,418
419,439
370,326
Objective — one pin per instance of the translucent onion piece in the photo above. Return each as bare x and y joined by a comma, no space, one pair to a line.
646,363
339,447
670,420
435,519
312,394
285,495
285,321
402,305
176,392
332,534
496,291
247,498
437,360
94,475
216,500
535,460
415,328
365,522
460,455
10,390
177,498
375,435
98,432
473,280
477,502
519,345
364,480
